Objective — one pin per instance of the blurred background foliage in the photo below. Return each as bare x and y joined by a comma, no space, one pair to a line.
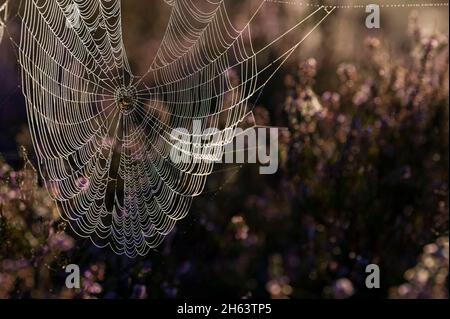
363,176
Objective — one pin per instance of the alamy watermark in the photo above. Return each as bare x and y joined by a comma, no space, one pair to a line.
373,279
231,146
73,277
73,15
373,19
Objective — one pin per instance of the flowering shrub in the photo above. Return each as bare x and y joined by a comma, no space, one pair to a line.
428,279
33,239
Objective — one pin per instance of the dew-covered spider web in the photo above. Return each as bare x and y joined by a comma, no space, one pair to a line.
103,136
3,18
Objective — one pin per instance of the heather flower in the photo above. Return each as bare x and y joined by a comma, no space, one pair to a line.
428,279
342,288
61,242
240,227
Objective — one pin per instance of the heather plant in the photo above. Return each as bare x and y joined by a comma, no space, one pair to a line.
33,238
429,278
366,164
364,175
35,247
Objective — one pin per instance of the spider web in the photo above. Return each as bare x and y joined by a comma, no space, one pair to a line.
103,136
3,18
